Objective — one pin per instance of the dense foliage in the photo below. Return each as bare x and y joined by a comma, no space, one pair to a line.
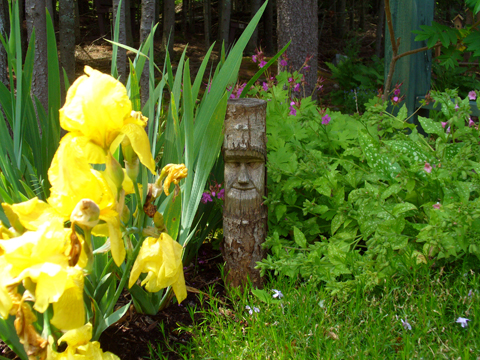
355,199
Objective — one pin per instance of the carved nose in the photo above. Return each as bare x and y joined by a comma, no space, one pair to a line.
243,178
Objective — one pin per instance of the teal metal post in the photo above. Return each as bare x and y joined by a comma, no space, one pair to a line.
413,70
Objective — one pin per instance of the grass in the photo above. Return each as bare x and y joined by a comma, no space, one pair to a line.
309,323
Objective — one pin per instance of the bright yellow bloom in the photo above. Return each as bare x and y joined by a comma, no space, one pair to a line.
162,259
97,107
171,173
40,260
80,347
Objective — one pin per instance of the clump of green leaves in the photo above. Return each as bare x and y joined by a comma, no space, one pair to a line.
357,199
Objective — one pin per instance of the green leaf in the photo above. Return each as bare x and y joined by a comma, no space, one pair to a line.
337,221
172,214
432,127
393,189
9,337
403,207
280,210
264,296
299,237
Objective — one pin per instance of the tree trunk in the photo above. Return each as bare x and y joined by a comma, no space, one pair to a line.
122,39
36,18
168,25
3,54
297,20
128,23
146,23
185,6
191,17
363,10
66,20
341,18
252,44
77,22
224,21
268,27
207,21
244,215
380,31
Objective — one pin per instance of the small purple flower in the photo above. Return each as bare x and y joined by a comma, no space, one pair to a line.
444,124
254,58
472,95
437,206
296,87
265,86
456,106
427,168
470,122
206,197
283,62
448,130
463,321
326,119
221,194
306,68
406,325
396,92
395,99
262,63
470,293
293,111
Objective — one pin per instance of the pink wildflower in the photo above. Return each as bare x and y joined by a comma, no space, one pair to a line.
283,62
427,168
262,63
254,58
470,122
296,87
265,86
444,124
472,95
293,111
448,130
326,119
437,205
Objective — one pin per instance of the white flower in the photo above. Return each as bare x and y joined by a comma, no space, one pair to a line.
278,294
462,321
406,325
250,310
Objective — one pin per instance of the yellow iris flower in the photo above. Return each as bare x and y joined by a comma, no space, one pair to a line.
97,108
39,259
80,347
162,259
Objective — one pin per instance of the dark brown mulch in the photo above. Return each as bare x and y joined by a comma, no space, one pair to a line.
131,337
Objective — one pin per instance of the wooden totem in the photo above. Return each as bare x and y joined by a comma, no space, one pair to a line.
245,215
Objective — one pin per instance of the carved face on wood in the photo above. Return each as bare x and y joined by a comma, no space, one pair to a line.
244,179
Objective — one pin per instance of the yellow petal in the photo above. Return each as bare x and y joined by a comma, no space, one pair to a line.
5,300
140,144
161,259
116,241
96,106
69,310
32,213
77,337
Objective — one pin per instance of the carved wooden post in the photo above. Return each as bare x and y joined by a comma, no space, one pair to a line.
244,216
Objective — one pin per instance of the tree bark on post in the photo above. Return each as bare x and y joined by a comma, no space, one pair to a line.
245,215
146,24
122,39
36,18
168,25
66,19
297,20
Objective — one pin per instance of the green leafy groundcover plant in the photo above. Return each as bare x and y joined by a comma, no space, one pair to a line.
355,199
